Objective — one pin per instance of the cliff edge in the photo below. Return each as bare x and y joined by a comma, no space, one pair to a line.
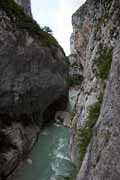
95,145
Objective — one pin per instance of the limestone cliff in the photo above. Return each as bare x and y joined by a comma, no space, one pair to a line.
95,145
32,83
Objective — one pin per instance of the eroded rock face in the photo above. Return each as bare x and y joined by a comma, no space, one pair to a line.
96,28
32,88
102,161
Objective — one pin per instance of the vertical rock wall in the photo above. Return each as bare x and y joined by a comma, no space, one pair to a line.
96,28
33,83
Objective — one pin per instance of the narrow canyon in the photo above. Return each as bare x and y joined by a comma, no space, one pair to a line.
60,115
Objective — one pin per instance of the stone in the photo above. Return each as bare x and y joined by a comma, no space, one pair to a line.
32,87
64,118
96,28
29,161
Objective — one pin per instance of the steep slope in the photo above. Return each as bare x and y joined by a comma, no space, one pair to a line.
32,83
95,44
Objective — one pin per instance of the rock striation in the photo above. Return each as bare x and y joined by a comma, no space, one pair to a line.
96,45
32,83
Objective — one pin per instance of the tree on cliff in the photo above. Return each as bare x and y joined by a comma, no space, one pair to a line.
47,29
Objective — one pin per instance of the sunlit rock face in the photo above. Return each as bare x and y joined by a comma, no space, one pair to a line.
96,29
26,4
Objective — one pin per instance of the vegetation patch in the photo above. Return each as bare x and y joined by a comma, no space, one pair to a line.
85,133
22,21
67,60
103,63
74,80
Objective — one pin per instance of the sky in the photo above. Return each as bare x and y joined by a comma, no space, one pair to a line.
57,15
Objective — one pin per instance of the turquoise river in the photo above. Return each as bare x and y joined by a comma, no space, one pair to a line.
50,159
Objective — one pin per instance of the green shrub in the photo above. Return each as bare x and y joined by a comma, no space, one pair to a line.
74,80
22,21
67,60
103,64
85,133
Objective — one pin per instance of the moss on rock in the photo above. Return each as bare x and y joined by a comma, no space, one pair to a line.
103,64
74,80
85,133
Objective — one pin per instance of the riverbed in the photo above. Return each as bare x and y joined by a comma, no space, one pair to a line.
50,158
